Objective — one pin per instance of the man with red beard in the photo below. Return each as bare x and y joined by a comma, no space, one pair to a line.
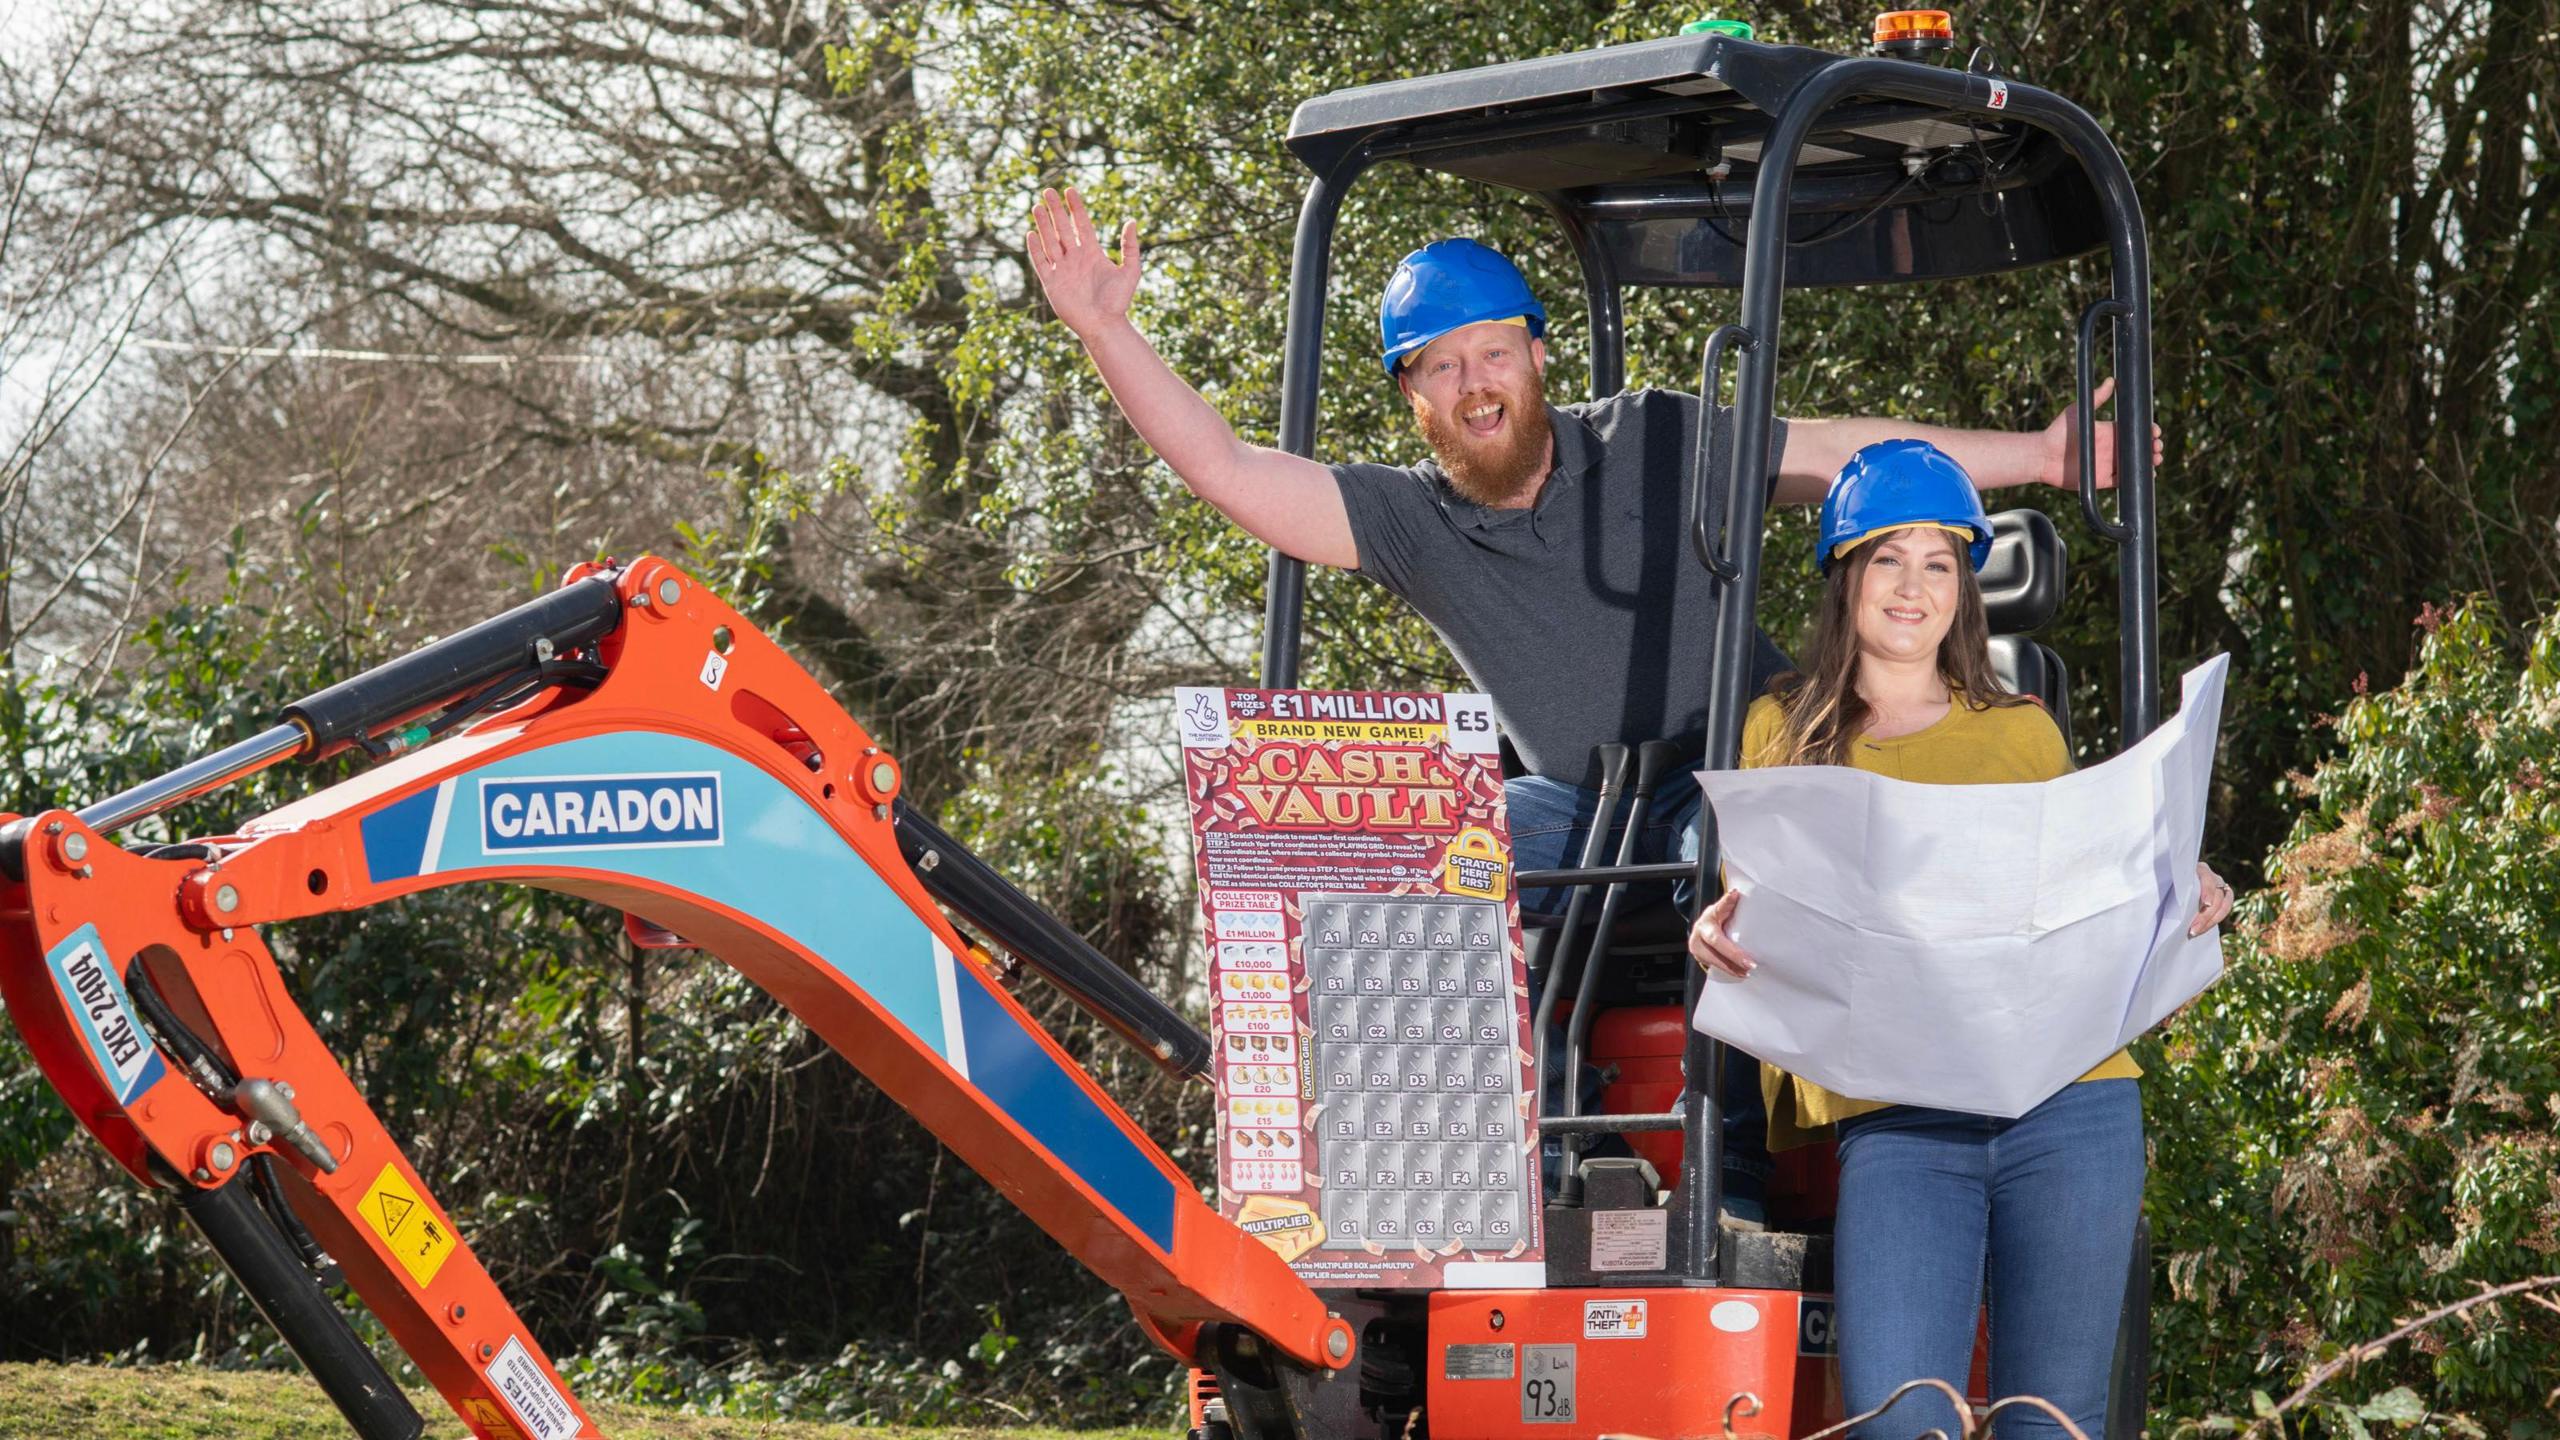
1546,544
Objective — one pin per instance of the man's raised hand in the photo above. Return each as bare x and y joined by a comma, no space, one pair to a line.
1286,501
1082,284
2062,452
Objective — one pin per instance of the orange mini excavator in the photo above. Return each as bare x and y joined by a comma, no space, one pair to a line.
631,740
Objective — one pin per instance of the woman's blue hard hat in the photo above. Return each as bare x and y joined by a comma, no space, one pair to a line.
1894,484
1449,285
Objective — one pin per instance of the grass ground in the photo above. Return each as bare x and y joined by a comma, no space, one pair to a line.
177,1402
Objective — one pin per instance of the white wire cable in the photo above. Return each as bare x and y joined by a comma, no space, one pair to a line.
414,357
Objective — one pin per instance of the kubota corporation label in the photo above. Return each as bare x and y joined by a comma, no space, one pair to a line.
587,812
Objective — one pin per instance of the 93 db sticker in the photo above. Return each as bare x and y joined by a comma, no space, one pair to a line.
1546,1384
126,1058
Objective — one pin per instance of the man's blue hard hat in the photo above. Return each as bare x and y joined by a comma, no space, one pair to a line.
1896,483
1449,285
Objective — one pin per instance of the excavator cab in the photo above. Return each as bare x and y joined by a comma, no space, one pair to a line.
1711,161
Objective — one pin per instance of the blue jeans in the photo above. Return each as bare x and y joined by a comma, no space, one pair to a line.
2047,1203
1549,820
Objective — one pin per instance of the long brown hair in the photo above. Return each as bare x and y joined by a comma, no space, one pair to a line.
1825,715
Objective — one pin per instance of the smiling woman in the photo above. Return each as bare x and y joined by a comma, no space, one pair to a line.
1902,630
1898,681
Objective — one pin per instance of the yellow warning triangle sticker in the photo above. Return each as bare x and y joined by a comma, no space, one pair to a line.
420,1242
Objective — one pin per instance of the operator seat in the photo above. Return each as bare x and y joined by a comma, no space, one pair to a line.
2021,591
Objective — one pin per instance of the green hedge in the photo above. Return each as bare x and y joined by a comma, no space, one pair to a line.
2361,1121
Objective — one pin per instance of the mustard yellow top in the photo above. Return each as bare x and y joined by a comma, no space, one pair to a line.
2017,744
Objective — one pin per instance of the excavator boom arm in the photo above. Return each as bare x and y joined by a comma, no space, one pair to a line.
690,773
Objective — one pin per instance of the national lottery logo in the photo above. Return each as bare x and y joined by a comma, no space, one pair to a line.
1203,711
589,812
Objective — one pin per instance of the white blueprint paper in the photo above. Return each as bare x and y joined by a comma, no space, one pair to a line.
1971,947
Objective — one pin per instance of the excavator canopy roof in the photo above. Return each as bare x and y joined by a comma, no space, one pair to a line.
1652,149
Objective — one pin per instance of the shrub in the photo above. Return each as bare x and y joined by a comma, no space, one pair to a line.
2362,1120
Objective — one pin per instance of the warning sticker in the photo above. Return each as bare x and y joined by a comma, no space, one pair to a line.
518,1378
409,1230
490,1420
1630,1239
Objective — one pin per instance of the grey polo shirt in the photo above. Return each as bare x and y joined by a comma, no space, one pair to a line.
1586,617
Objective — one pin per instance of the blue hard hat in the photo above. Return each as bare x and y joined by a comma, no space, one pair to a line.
1449,285
1896,483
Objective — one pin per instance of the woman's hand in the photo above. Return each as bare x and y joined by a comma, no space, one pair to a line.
1082,284
1712,947
2213,902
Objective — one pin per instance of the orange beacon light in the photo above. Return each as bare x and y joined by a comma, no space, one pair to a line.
1909,34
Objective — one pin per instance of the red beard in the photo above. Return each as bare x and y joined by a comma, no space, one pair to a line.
1495,471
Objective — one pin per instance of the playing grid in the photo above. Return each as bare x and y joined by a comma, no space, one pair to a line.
1417,1072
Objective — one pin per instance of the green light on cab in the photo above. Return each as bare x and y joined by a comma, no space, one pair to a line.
1730,29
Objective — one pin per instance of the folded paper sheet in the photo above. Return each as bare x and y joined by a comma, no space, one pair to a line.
1974,947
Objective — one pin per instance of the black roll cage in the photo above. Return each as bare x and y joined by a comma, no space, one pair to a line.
1661,126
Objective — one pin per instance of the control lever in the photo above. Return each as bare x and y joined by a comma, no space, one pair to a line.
1548,979
1654,758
